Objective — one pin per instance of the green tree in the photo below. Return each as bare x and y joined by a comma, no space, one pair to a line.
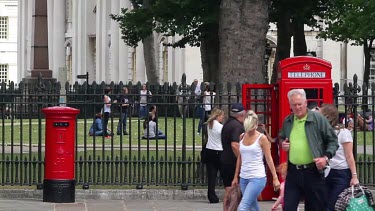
290,17
195,20
240,42
352,20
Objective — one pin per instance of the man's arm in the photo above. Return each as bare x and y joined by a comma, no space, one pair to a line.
235,148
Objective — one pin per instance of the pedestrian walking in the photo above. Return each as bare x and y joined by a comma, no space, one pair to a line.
250,166
342,172
230,138
310,142
213,151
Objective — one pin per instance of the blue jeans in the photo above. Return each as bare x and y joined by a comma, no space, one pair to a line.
337,181
122,122
143,111
251,188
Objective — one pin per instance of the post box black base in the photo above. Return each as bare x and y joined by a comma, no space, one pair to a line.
59,191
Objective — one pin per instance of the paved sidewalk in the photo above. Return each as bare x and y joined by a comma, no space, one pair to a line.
115,205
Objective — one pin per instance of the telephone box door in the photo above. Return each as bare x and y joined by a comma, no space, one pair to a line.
263,100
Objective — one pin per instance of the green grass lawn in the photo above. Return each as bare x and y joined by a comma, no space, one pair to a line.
29,132
26,132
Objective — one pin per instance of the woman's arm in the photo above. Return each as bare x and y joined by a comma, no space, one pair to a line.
348,151
266,148
237,171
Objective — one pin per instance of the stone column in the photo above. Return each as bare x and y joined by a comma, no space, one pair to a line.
39,46
124,58
115,42
58,36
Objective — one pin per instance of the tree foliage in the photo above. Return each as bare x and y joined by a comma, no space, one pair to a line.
290,16
188,18
352,20
196,21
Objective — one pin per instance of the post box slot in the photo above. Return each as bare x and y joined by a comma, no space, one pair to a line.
61,124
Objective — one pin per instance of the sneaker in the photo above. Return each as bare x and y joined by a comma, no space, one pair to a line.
198,133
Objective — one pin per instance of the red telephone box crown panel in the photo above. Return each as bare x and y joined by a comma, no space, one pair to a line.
304,68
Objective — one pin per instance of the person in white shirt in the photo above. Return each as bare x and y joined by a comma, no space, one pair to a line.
342,173
250,166
208,101
143,100
106,110
213,151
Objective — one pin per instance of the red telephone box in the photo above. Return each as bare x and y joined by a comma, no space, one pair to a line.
271,102
59,179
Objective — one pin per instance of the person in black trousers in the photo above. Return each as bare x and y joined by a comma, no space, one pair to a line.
213,151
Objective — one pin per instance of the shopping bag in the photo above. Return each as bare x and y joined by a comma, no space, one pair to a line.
359,202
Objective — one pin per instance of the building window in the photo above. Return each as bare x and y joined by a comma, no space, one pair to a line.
3,72
372,66
3,27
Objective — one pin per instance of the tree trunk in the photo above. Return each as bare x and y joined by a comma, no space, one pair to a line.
149,53
150,61
210,53
242,36
283,43
299,40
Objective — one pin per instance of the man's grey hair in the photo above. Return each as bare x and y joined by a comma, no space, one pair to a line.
237,114
297,92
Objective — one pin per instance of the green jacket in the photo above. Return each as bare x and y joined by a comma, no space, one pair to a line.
320,134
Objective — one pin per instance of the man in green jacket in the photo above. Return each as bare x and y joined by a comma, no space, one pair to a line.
311,142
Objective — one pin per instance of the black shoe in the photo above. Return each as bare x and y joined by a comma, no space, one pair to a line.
214,201
118,133
126,133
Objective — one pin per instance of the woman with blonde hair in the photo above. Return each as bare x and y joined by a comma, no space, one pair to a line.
343,171
250,167
213,151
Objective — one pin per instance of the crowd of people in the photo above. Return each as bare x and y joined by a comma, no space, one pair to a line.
319,146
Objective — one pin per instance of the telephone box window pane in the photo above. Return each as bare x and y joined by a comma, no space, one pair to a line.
314,97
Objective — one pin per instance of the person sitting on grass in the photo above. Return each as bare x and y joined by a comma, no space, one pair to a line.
150,130
365,123
96,128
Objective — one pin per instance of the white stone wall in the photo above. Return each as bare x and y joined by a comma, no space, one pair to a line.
8,47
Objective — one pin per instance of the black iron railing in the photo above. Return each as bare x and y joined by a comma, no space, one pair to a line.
129,159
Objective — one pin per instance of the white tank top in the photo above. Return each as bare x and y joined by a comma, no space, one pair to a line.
252,160
107,108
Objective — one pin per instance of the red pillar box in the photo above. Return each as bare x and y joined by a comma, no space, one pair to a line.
59,179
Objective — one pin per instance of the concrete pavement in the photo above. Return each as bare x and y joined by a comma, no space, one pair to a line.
115,205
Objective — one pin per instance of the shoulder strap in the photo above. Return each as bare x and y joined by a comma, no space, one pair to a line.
241,136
